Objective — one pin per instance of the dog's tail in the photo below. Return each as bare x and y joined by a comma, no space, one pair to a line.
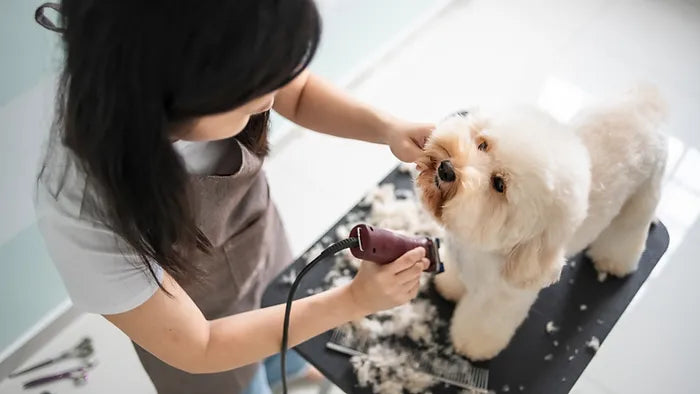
646,101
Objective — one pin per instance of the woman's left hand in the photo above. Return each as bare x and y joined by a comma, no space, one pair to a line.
407,139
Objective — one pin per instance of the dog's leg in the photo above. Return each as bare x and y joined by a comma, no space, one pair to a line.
448,283
483,326
618,248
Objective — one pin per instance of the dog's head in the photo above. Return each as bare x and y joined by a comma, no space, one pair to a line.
513,183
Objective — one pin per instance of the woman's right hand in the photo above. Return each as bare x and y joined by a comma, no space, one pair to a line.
378,287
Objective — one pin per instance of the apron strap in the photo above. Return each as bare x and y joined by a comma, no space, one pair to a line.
44,21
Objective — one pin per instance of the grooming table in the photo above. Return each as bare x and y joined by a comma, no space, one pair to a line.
523,362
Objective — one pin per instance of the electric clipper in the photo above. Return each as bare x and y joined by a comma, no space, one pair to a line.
383,246
367,243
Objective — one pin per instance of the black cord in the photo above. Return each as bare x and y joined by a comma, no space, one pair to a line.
329,251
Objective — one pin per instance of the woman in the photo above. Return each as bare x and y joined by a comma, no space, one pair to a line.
152,202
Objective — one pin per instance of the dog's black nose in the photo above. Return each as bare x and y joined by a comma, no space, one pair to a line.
446,172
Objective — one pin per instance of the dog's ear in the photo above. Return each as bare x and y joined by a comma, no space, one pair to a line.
534,263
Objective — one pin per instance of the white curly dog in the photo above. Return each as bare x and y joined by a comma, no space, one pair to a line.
517,192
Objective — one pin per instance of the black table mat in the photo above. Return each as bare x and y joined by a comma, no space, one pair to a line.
522,364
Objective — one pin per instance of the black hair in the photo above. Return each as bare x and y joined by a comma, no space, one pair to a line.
137,70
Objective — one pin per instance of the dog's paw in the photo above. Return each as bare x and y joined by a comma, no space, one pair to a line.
449,286
476,347
554,276
612,267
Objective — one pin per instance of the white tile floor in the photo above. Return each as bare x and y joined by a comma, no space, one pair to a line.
560,54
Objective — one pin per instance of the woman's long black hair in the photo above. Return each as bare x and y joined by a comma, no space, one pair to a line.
137,70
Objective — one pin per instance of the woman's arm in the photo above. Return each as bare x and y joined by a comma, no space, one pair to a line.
173,329
313,103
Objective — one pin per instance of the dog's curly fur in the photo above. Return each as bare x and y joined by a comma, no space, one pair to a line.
592,183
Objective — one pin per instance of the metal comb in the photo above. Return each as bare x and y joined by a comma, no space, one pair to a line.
452,372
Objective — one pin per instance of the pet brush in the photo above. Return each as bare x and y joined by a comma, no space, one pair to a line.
459,373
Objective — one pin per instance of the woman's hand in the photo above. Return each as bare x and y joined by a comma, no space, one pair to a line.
379,287
407,139
315,104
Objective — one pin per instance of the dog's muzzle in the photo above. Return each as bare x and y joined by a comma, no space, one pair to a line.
446,171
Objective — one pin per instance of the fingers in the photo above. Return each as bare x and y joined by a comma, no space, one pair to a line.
408,260
413,273
413,152
413,290
421,134
420,140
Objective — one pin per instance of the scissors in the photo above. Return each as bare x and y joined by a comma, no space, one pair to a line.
78,375
83,350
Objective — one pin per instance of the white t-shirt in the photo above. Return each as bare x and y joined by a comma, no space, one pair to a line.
99,271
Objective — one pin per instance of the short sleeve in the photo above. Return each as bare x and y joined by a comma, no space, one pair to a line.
97,271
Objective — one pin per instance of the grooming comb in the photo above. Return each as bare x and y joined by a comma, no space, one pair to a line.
456,373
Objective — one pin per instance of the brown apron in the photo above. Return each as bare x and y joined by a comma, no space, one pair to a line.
250,249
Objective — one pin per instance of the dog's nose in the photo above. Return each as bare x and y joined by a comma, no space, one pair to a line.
446,172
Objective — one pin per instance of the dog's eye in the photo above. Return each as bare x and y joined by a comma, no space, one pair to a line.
483,146
498,184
